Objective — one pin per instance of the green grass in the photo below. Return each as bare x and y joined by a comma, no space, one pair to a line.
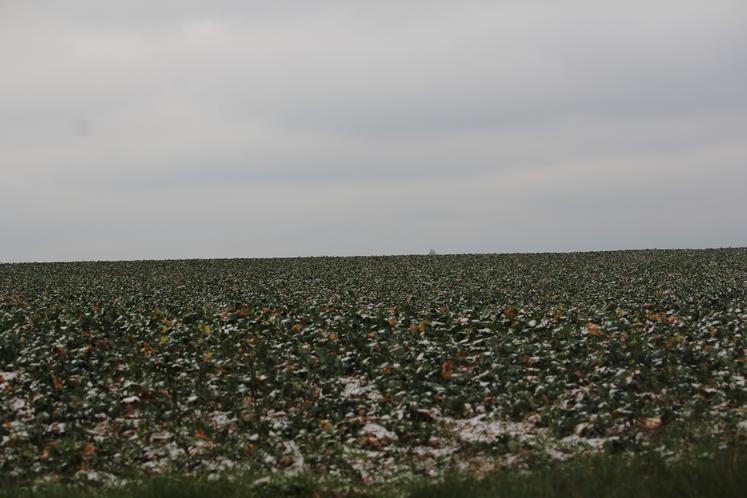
605,476
649,475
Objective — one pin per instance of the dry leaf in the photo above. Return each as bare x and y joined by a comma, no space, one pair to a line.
147,348
57,383
447,370
89,450
651,423
595,330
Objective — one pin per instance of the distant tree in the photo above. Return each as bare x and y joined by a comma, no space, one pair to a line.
432,252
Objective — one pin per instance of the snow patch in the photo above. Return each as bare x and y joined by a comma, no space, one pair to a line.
6,377
479,430
358,387
379,432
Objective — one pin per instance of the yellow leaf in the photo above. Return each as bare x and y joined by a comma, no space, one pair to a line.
674,341
651,423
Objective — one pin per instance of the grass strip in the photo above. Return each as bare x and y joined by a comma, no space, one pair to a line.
647,475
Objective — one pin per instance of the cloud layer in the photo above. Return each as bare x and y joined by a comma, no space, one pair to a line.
229,129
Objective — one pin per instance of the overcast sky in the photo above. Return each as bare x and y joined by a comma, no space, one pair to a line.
176,129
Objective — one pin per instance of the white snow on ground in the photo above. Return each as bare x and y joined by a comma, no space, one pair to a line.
298,464
358,387
557,455
379,432
220,419
436,453
596,443
480,430
6,377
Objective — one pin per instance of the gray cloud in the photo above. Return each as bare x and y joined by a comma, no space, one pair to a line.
196,129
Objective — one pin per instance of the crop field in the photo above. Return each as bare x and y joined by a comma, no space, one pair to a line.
367,370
